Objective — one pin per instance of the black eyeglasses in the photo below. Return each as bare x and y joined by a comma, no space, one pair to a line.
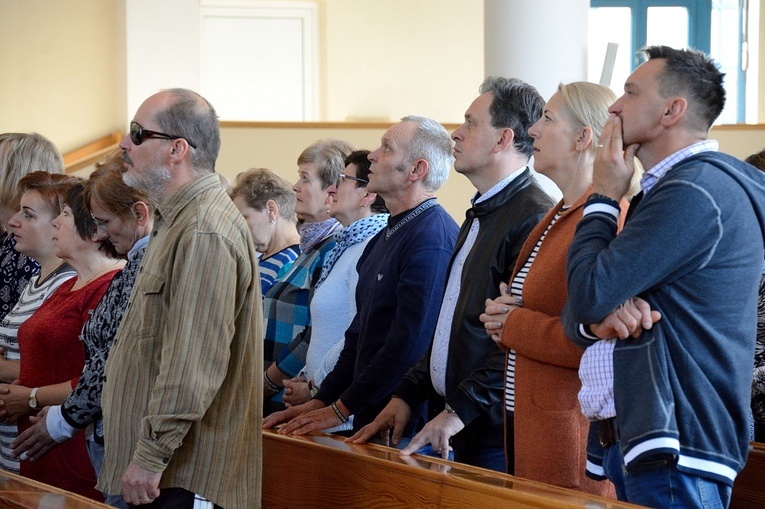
138,134
102,223
343,176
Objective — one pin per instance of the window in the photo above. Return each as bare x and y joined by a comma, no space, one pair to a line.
707,25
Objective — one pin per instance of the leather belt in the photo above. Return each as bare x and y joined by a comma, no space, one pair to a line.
607,432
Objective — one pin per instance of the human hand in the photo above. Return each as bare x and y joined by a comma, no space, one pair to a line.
314,420
296,392
14,402
394,417
630,319
437,432
277,418
35,441
614,164
140,486
496,312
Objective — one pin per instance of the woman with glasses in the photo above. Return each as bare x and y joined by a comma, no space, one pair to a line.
42,195
126,216
52,355
20,154
333,304
286,304
267,203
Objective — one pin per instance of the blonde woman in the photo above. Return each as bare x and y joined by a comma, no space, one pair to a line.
550,430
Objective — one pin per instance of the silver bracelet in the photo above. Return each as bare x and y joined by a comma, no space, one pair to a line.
271,385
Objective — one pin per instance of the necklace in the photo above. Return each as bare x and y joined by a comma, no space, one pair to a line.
422,207
98,274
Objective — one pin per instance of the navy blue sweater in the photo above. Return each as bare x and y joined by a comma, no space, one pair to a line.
398,297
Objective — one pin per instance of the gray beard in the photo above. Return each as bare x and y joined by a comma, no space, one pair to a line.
153,181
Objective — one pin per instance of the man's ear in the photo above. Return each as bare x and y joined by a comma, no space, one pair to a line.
674,110
506,138
420,170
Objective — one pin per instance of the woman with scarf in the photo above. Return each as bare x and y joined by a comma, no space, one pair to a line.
286,303
333,304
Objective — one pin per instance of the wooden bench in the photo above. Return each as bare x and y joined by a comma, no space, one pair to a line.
18,492
749,488
323,471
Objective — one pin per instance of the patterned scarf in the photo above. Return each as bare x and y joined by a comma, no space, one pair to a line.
354,233
313,233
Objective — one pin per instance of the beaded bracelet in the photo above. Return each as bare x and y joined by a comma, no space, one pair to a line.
339,414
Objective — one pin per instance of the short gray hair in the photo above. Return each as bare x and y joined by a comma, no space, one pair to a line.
192,117
329,156
432,143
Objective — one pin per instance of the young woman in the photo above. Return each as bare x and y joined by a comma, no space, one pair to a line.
42,195
20,154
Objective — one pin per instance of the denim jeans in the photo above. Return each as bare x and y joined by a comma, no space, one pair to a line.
96,453
658,483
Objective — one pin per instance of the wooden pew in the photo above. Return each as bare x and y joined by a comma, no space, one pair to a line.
323,471
18,492
749,488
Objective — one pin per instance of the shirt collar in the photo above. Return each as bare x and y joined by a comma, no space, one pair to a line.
169,210
139,244
654,174
499,186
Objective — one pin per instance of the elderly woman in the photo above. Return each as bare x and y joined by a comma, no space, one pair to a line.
526,318
286,304
268,205
125,215
41,200
20,154
333,304
52,356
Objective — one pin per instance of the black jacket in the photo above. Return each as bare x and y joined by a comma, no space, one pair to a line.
475,370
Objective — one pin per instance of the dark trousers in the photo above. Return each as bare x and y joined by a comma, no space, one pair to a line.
171,498
509,442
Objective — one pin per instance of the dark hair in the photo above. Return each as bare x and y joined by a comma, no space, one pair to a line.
50,186
516,105
362,162
106,187
193,117
757,160
258,185
692,74
83,222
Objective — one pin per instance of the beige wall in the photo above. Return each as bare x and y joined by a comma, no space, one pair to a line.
382,62
245,147
58,69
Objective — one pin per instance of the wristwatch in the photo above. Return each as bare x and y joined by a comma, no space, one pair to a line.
33,398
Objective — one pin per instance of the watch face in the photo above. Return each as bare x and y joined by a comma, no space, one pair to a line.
32,403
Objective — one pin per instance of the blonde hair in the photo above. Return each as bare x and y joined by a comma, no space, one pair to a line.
20,155
588,104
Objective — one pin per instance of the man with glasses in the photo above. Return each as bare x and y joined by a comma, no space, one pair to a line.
463,372
182,390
